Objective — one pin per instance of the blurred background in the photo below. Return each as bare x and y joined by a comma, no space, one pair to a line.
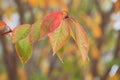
101,21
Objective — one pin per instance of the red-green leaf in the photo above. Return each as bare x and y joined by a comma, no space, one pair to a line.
24,49
35,32
20,32
50,23
59,37
80,37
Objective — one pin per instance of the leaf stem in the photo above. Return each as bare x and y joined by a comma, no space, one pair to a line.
10,30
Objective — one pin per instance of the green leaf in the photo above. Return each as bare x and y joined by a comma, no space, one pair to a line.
24,49
35,32
59,37
20,32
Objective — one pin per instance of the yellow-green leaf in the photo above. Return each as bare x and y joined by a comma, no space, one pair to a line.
24,49
59,37
80,37
20,32
35,32
82,41
72,33
60,54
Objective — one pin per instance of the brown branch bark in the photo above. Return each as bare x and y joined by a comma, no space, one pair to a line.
10,58
117,49
32,14
52,60
105,20
116,55
20,10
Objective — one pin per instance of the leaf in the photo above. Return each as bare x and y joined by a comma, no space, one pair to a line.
35,32
80,37
72,32
24,49
20,32
59,37
2,25
60,54
50,23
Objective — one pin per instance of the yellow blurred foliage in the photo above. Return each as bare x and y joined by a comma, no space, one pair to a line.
0,1
76,4
115,77
94,51
97,18
93,25
53,3
44,66
22,74
88,76
42,3
72,48
101,68
8,13
23,1
45,51
64,8
3,76
33,2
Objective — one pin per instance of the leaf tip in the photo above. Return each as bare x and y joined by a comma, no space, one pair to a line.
61,59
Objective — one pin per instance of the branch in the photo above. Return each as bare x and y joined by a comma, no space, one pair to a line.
117,49
116,55
10,58
96,2
20,10
31,12
105,20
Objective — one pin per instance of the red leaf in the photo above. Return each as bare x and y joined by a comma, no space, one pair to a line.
2,25
50,23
